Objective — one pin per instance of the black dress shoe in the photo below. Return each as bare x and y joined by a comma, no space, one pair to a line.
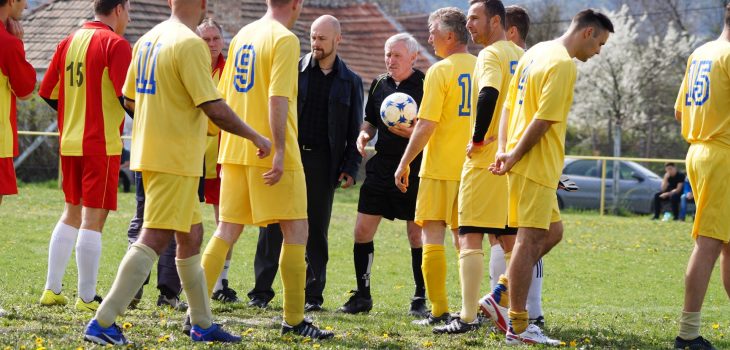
312,307
418,307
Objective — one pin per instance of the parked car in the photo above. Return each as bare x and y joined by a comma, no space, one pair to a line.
637,185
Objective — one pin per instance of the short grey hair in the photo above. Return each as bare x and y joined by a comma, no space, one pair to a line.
451,19
411,42
209,23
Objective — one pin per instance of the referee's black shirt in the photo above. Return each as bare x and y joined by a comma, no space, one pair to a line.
388,143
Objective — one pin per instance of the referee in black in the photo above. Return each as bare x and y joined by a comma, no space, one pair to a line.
379,197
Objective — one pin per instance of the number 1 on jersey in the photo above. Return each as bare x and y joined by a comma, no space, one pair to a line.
465,85
146,64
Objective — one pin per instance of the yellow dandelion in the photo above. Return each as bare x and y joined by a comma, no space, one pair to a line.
39,341
427,344
163,338
715,326
329,328
40,348
22,347
127,325
248,331
386,336
306,340
573,343
562,343
316,346
587,341
80,348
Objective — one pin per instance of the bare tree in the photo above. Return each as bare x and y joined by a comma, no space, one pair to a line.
547,23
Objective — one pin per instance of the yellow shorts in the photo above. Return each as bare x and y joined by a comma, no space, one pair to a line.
530,203
482,199
708,168
437,200
171,201
245,199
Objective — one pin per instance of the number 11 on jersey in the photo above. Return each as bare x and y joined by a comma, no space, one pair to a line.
465,85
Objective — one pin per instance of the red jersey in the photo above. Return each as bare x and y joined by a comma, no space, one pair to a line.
86,76
17,78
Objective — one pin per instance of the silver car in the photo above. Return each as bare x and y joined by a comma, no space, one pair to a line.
637,185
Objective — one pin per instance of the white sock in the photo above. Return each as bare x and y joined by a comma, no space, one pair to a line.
62,243
534,295
497,265
88,252
222,276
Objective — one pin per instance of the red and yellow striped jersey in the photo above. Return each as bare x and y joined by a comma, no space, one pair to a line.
86,76
17,78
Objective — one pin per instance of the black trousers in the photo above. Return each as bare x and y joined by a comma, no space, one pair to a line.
168,281
320,194
675,199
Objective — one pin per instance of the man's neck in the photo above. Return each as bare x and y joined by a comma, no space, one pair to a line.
110,22
280,16
327,64
496,36
399,80
725,34
180,19
568,41
456,48
4,15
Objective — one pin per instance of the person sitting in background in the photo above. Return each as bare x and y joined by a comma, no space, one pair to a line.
671,190
687,196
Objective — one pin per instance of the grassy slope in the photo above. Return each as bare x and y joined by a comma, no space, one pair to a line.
612,283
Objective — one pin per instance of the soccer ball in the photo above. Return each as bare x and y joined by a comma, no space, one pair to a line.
398,108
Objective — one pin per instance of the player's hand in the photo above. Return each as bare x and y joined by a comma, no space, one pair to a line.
273,176
503,162
402,130
665,195
349,181
472,148
15,28
362,141
264,147
401,177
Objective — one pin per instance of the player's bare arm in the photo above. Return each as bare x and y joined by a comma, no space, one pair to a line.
278,108
367,132
422,133
535,131
224,117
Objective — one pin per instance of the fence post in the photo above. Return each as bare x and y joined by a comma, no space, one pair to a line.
603,185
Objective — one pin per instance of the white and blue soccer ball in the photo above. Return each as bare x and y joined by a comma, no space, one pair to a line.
398,108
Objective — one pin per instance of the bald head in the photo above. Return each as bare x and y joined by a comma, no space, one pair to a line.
328,24
325,38
189,12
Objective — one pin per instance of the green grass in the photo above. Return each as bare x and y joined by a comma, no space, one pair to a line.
613,283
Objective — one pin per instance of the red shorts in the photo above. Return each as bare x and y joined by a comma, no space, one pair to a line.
91,178
212,188
8,185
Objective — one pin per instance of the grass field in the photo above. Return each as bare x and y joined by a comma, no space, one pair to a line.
613,283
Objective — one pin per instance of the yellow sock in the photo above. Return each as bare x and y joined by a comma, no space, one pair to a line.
503,297
133,270
507,257
293,278
434,276
518,321
689,325
214,258
471,272
192,279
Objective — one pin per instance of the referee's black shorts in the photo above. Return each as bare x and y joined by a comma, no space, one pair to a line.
380,196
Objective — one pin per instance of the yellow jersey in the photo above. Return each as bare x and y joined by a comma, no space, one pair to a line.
262,62
168,78
447,100
542,88
496,64
704,97
211,148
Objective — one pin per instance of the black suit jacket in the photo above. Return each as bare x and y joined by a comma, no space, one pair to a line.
345,115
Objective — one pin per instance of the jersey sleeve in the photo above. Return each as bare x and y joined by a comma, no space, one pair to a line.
50,83
194,55
129,90
21,73
434,93
372,114
284,73
557,92
491,74
120,55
